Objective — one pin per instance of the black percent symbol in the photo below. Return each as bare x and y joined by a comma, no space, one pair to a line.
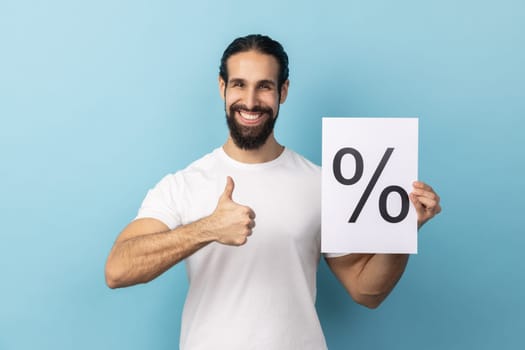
359,164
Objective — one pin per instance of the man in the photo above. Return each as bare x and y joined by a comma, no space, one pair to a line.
251,286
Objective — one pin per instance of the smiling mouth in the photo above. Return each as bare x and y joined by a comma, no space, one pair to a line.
249,117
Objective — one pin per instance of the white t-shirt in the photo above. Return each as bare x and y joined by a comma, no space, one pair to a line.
260,295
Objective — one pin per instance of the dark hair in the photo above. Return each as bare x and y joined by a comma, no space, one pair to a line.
259,43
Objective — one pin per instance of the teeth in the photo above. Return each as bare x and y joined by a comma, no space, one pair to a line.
249,116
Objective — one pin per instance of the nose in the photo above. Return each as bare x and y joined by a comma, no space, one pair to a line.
250,99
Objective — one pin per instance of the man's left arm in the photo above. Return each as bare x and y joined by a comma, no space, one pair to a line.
369,278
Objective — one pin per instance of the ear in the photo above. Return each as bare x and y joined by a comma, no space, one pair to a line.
284,91
222,87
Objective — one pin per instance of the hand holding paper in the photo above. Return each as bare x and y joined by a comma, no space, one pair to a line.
426,202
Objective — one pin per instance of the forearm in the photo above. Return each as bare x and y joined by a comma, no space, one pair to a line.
369,278
142,258
381,273
146,247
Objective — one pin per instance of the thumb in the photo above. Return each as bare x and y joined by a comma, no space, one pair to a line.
228,190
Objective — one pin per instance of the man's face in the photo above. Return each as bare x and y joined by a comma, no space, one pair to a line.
251,97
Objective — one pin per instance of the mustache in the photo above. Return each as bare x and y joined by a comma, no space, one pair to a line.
239,107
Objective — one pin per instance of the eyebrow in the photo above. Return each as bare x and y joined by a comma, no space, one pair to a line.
264,81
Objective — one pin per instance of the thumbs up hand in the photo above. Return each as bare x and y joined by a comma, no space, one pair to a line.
231,223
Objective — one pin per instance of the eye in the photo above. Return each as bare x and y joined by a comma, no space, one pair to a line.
265,86
236,83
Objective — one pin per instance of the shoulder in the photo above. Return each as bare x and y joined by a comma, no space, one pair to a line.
199,168
302,163
203,164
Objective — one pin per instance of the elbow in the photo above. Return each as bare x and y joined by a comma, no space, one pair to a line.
111,277
119,276
114,275
371,300
111,283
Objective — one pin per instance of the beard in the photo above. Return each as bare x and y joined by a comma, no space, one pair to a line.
250,137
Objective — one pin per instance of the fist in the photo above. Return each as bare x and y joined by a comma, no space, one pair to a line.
426,202
231,222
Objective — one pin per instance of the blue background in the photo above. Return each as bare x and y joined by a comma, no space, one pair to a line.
100,99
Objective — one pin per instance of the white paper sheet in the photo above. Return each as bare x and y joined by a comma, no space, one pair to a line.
353,148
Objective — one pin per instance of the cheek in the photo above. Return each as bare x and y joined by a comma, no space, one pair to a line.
270,99
231,97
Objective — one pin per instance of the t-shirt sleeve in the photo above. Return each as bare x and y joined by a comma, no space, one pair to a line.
160,204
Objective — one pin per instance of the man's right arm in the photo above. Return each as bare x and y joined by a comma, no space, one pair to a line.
147,247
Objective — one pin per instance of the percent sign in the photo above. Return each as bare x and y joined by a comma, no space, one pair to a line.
371,184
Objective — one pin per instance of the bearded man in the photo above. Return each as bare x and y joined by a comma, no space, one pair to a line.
250,286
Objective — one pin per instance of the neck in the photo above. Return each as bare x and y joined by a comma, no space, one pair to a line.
267,152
